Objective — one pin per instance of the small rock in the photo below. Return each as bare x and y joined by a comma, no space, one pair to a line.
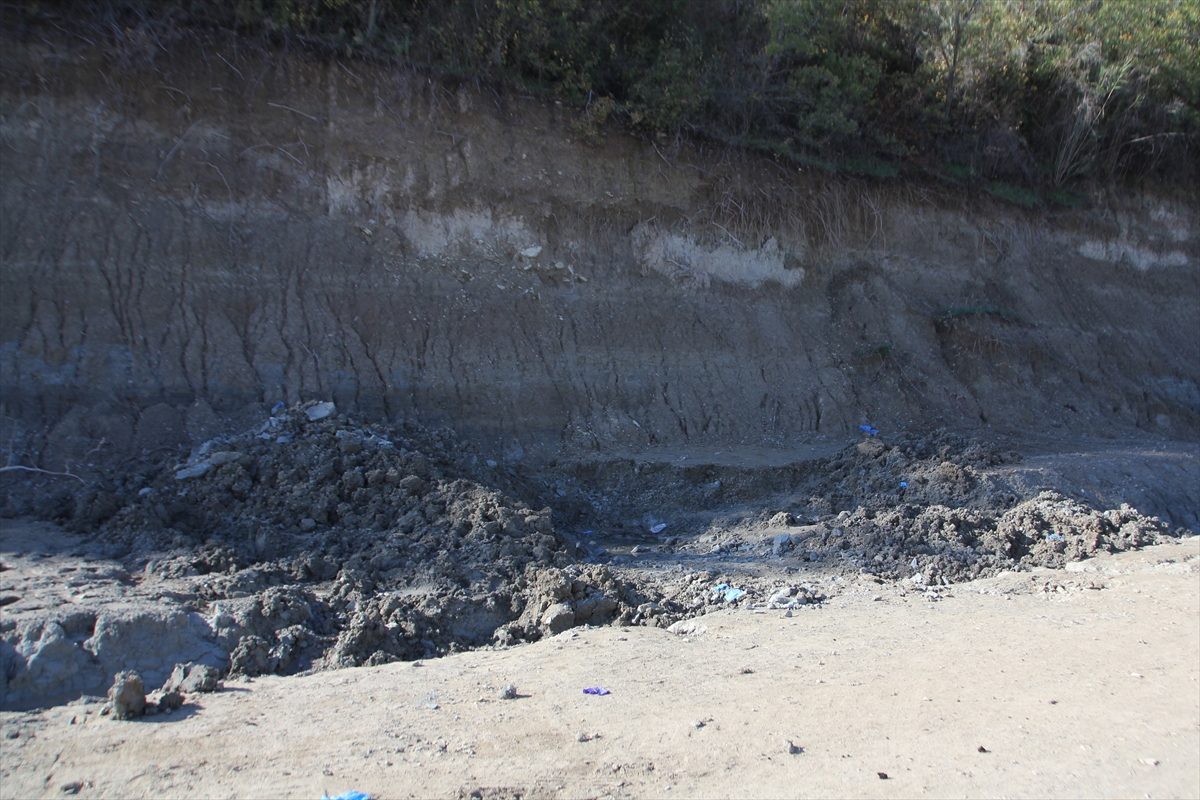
169,701
699,723
71,788
307,524
982,749
558,618
883,776
508,692
320,411
794,749
583,737
782,520
127,696
687,627
193,678
12,735
781,544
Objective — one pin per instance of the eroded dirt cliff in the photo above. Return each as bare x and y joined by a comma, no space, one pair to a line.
190,239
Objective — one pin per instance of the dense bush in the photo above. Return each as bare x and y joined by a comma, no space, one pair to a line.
1040,92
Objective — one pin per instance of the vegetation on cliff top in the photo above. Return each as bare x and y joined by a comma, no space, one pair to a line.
1039,93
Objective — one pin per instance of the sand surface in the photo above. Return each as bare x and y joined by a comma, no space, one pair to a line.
1077,683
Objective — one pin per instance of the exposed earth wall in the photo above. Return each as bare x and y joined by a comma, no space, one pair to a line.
192,237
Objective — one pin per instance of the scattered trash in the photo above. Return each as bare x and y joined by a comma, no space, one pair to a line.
1150,762
596,690
1054,536
794,749
868,430
659,528
275,409
731,593
903,484
350,795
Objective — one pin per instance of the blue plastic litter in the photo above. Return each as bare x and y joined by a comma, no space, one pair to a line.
720,587
350,795
903,484
275,410
733,594
598,690
867,429
1054,536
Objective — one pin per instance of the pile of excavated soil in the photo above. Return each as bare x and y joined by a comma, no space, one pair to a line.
922,510
931,508
315,542
312,542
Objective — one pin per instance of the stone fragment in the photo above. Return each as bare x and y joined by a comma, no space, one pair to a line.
687,627
127,696
558,618
193,678
320,411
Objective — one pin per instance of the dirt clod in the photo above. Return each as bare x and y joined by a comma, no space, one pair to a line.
127,697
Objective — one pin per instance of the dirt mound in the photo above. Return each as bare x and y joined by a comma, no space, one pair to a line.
314,542
927,509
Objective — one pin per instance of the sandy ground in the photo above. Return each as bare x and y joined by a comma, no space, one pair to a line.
1078,683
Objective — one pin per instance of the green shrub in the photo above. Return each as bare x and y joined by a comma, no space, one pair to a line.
1043,91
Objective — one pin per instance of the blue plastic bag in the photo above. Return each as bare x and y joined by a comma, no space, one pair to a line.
350,795
597,690
868,430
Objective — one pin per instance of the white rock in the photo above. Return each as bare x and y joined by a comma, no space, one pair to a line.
320,411
688,627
